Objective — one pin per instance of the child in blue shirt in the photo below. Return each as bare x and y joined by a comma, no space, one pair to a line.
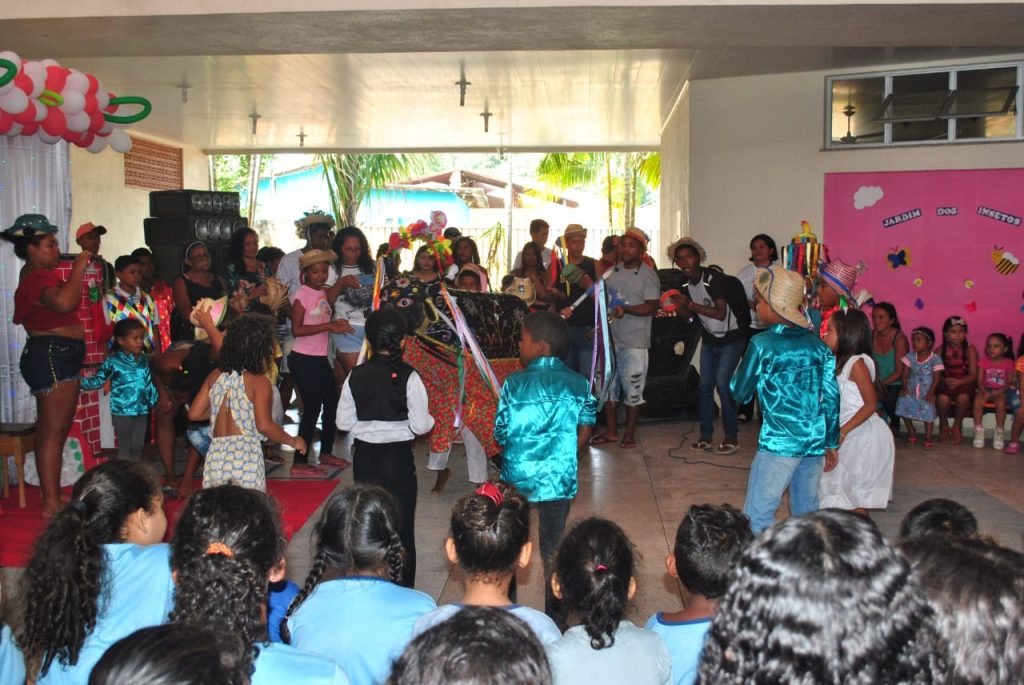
99,573
227,547
351,608
795,379
708,539
132,393
490,539
544,421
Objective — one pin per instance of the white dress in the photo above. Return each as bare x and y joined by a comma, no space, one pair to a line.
863,478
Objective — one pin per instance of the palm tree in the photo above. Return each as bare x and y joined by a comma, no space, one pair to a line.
620,175
351,177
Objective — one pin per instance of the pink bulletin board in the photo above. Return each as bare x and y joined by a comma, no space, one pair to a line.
935,243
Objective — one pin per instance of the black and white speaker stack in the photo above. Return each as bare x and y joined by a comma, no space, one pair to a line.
181,217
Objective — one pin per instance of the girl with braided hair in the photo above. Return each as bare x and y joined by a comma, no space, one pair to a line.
351,608
595,577
98,573
384,406
227,546
490,539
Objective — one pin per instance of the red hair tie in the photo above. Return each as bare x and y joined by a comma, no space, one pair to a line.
491,491
600,568
220,548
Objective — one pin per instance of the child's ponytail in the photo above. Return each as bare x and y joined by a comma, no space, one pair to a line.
595,567
385,330
357,531
65,578
225,544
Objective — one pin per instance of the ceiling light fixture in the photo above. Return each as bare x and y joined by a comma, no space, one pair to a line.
185,88
486,114
255,117
462,83
302,137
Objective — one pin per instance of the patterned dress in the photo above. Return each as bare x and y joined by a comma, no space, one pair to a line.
913,405
234,458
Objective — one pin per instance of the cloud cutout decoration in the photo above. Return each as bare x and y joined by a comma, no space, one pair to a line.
867,196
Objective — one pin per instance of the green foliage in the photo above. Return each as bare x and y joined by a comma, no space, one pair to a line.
231,172
623,177
350,177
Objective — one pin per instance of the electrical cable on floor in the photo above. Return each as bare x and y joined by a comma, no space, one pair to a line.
686,460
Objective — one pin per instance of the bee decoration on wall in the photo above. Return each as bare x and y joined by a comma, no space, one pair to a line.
1006,262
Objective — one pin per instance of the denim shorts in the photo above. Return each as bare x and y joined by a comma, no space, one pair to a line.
51,359
349,343
630,375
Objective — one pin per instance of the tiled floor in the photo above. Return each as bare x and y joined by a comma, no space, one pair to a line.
647,491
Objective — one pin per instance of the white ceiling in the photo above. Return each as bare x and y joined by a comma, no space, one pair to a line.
554,77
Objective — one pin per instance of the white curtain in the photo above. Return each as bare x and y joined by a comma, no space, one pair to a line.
35,178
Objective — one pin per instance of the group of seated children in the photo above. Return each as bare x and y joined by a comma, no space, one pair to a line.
955,380
820,598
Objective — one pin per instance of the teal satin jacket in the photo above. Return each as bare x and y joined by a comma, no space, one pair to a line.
538,412
795,378
131,384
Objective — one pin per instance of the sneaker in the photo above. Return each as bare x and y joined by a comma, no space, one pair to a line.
997,440
979,439
1012,448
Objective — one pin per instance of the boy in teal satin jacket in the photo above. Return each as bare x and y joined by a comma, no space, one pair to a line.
545,419
794,374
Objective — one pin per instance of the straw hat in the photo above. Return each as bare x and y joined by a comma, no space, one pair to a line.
312,257
841,277
575,229
637,235
689,242
315,219
785,294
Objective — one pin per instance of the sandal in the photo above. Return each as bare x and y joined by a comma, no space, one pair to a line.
911,439
701,445
601,440
331,460
628,444
929,445
1012,448
726,448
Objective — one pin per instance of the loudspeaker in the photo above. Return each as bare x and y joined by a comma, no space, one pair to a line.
184,229
671,397
169,260
175,202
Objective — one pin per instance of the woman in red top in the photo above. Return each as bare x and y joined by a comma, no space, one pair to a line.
46,305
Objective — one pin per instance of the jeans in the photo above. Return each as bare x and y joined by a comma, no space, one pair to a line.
579,356
552,516
770,475
391,466
630,375
717,364
315,381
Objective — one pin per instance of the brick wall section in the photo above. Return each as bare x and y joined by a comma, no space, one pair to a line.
87,418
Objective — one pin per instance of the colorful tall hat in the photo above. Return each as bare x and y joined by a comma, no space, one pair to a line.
841,277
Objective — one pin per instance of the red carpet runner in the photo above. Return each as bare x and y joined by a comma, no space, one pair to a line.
20,527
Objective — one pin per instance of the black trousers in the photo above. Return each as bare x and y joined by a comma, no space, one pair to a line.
390,465
315,380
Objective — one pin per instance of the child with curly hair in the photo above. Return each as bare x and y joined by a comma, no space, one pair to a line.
490,539
822,598
98,573
240,387
352,609
595,576
227,547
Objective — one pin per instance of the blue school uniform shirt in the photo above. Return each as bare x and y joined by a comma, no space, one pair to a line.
538,412
12,664
141,594
684,641
638,657
540,623
280,664
361,623
278,600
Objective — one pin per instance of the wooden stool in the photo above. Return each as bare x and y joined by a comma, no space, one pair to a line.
16,439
